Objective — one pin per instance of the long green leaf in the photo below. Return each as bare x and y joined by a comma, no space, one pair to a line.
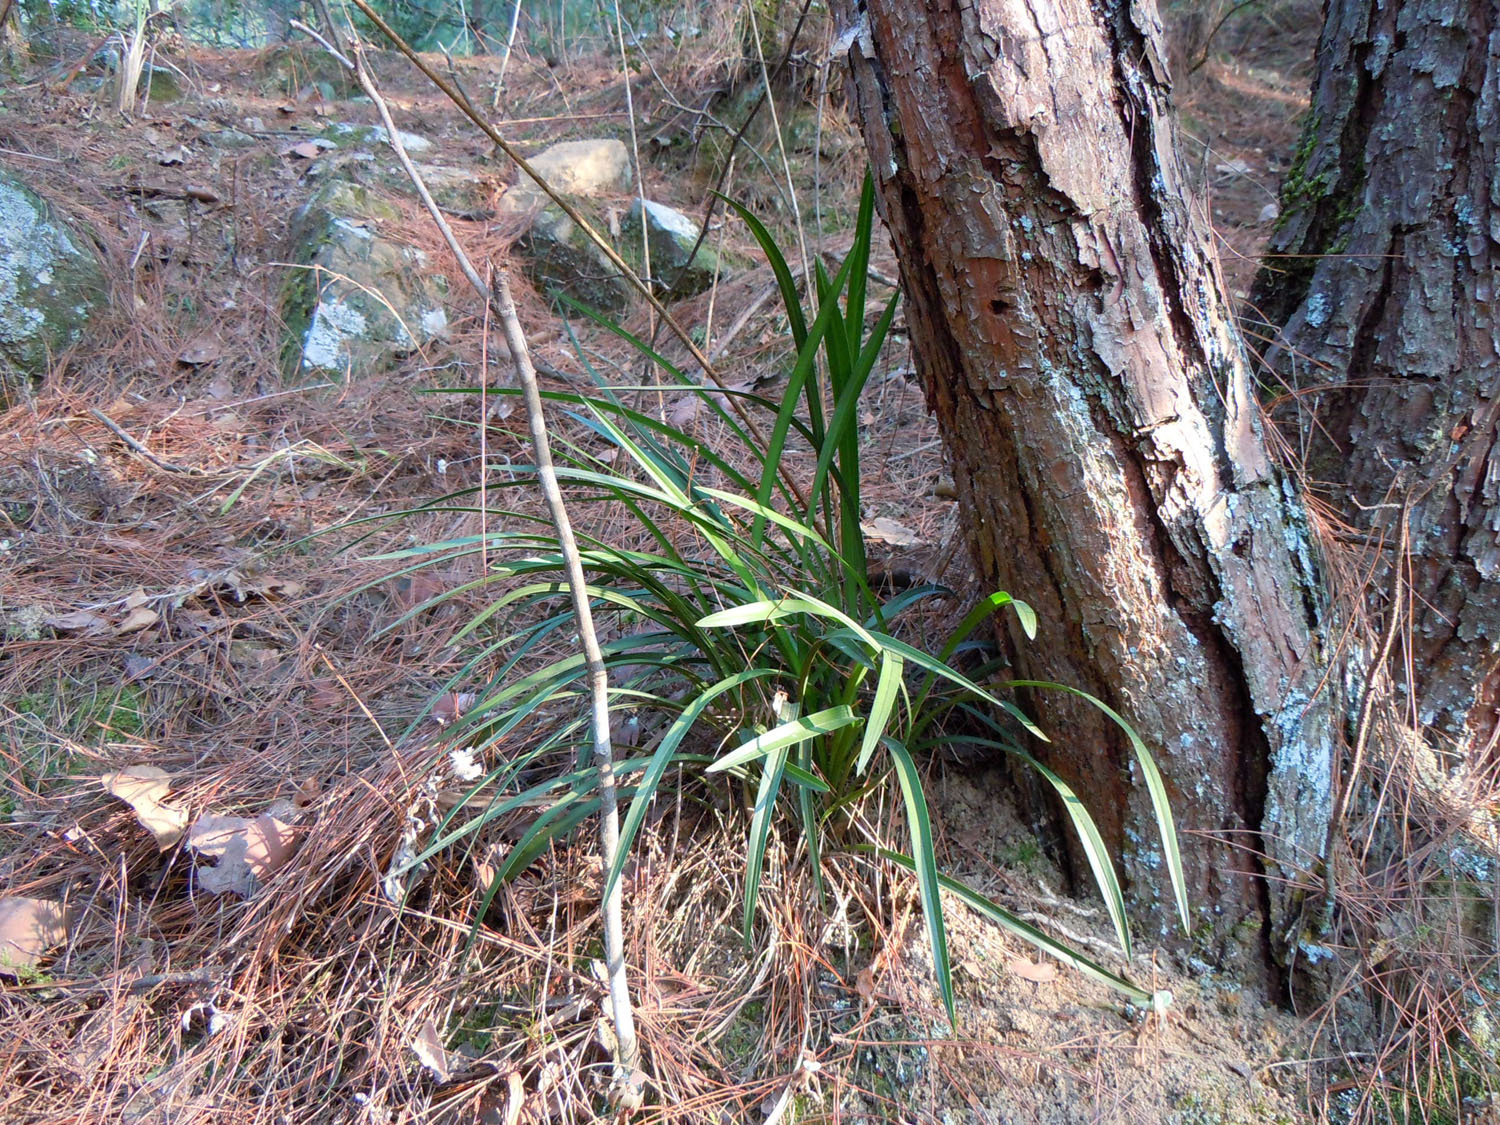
887,687
1155,786
786,734
779,268
924,862
760,831
662,758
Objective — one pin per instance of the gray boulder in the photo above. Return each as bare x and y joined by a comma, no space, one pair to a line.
558,255
582,169
363,300
672,238
51,283
560,258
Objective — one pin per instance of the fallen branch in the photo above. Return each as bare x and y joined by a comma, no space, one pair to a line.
629,1080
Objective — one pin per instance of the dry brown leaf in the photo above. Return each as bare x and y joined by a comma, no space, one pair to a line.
427,1045
249,851
452,705
137,618
203,350
79,621
325,694
307,150
29,927
516,1097
886,530
1037,973
142,788
684,411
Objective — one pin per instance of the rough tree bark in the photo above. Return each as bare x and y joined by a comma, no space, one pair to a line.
1385,304
1077,346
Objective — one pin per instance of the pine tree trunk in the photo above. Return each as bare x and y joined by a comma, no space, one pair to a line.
1077,347
1385,304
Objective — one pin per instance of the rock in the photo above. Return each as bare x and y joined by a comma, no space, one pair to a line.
671,236
559,256
454,189
161,84
345,135
367,300
291,68
230,139
51,283
586,169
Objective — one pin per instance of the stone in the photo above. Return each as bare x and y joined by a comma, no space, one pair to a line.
576,169
672,236
559,257
290,68
52,284
346,135
361,300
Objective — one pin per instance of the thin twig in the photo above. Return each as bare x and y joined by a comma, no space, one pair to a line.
137,447
628,1078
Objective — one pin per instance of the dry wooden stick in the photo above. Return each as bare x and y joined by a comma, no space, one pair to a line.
629,1079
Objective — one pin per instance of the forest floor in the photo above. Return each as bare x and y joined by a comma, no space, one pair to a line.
174,527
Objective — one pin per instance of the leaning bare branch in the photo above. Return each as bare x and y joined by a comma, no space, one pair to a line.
629,1079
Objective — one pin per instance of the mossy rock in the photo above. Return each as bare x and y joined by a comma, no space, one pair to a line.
359,301
52,284
672,237
291,67
350,135
560,258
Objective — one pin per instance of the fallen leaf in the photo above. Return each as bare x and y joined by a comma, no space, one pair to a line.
325,694
142,788
418,589
136,600
308,150
308,792
428,1047
515,1099
884,530
1043,973
452,705
684,411
137,618
29,927
487,866
79,621
205,349
137,666
249,851
864,983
